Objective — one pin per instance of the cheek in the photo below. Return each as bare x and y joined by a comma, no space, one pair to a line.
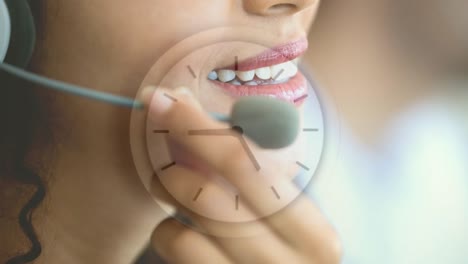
308,16
118,41
145,29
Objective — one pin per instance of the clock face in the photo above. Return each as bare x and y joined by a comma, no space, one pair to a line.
155,156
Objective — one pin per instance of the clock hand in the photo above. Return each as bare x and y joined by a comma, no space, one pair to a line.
229,132
249,152
269,122
211,132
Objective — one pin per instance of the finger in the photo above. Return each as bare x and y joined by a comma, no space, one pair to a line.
250,242
226,156
260,248
307,230
229,159
178,244
214,202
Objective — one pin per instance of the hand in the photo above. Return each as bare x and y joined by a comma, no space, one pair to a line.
297,234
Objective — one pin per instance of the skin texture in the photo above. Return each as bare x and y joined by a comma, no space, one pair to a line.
97,210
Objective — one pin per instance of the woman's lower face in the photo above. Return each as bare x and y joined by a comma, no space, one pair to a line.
121,47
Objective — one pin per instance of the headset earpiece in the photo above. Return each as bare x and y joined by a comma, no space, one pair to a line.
20,37
5,30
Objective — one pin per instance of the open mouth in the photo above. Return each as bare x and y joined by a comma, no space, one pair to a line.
273,73
276,74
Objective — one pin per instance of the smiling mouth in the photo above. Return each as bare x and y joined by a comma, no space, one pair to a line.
273,73
276,74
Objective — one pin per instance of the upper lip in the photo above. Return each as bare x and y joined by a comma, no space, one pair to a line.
273,56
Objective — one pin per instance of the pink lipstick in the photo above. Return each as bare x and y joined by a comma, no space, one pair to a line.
271,73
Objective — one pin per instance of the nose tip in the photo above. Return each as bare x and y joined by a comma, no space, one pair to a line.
276,7
282,9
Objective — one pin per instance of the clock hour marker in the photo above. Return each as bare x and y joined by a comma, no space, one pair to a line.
170,97
275,192
197,195
310,129
237,202
168,166
301,98
302,165
191,71
161,131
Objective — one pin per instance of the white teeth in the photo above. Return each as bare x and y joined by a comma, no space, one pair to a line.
246,75
290,69
263,73
213,76
275,74
226,75
235,82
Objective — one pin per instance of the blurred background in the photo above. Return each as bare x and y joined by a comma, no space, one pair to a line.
394,79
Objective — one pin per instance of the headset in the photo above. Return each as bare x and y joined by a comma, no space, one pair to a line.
17,42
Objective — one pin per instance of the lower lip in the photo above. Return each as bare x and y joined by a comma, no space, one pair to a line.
293,91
